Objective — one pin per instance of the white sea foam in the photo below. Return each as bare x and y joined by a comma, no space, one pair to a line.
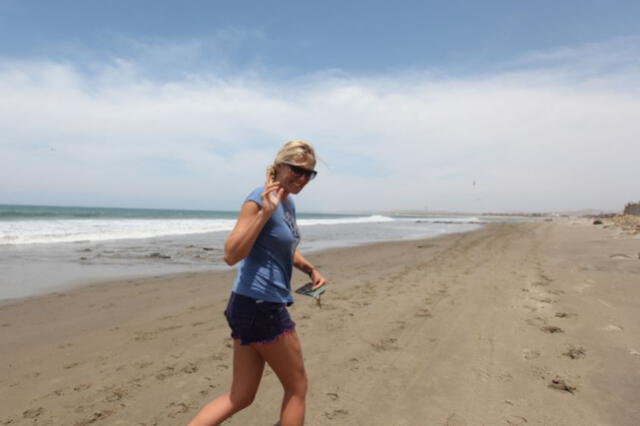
75,230
345,220
66,231
453,219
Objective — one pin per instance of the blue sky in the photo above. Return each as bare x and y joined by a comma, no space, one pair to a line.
182,104
295,37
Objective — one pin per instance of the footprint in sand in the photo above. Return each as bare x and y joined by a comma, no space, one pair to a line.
189,368
562,385
206,391
424,313
530,354
536,322
336,414
545,278
515,420
81,387
481,374
98,415
565,315
142,364
116,395
165,373
143,336
612,327
575,352
387,344
32,413
551,329
355,364
455,420
177,408
540,283
620,256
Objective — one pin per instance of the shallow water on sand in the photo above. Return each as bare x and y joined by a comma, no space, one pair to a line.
29,269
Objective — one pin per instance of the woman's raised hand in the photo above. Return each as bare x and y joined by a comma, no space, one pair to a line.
272,195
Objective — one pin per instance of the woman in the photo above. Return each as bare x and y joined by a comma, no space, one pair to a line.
266,237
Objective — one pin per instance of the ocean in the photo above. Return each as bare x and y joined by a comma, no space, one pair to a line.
49,248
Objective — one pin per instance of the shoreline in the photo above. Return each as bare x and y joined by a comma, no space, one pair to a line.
466,328
219,269
73,265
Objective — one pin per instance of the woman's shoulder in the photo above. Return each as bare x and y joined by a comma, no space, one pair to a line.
255,195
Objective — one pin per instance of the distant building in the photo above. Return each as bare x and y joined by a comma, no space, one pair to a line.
632,208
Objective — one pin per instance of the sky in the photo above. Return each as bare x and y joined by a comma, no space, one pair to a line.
494,106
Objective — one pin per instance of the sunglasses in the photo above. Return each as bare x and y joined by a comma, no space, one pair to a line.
299,171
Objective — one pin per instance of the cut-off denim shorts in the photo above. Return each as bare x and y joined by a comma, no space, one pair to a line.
257,321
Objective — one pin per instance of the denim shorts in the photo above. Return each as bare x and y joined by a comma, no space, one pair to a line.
257,321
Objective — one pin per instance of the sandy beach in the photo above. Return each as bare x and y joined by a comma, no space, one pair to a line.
513,324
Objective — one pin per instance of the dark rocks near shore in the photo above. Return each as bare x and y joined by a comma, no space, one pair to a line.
157,255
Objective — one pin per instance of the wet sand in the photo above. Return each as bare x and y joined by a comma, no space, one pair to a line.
532,323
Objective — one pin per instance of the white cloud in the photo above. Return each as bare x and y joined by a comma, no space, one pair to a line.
533,138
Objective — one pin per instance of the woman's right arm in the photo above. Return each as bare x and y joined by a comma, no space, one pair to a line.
250,222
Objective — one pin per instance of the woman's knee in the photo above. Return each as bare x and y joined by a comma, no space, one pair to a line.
241,400
298,386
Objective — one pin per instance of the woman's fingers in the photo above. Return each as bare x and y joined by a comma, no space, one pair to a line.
318,284
317,280
270,188
269,179
272,196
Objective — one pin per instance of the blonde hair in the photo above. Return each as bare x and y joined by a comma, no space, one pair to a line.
293,151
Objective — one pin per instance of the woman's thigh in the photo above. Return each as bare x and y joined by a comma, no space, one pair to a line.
248,366
284,356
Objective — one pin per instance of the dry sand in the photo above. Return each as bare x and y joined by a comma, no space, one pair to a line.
514,324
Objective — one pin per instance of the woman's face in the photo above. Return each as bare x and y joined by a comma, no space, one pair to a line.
291,179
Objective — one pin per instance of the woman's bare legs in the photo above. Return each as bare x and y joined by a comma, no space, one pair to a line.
248,365
285,358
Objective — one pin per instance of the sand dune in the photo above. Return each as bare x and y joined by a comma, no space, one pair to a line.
513,324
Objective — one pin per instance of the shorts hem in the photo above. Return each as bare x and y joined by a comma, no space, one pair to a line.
284,332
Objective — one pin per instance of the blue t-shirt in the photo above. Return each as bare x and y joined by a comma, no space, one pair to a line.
265,273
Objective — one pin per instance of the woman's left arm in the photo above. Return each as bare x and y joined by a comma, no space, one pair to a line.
317,280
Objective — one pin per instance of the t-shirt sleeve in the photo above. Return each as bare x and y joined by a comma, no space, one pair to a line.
256,196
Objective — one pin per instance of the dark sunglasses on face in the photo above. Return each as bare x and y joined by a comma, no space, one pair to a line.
299,171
